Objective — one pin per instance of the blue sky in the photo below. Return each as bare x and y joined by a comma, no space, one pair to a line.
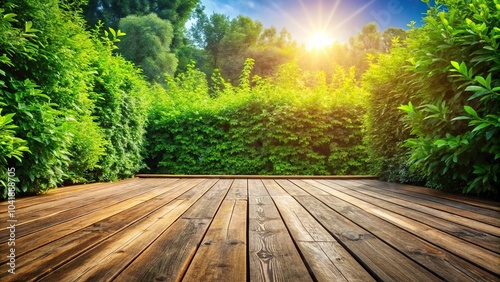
340,19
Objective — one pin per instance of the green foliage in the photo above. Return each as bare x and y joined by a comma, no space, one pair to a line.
120,99
225,41
451,109
111,11
11,146
147,44
40,124
87,149
386,81
78,108
294,123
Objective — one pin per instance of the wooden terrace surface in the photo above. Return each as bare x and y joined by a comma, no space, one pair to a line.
224,229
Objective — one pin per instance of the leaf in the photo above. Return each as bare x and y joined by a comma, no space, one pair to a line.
490,134
463,69
27,26
440,143
481,126
113,32
483,81
460,118
10,17
471,111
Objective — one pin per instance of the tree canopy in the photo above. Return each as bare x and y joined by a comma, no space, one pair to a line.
147,44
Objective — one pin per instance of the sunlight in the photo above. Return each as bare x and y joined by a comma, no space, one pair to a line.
319,40
323,16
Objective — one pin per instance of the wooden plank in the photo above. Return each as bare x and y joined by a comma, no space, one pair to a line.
63,192
459,212
239,190
302,233
167,258
466,199
443,263
225,244
257,193
271,250
473,253
326,258
290,188
473,233
37,220
42,260
378,257
465,228
85,264
63,201
258,176
111,256
34,240
208,204
273,188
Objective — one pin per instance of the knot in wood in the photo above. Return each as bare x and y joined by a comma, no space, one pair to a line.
353,236
265,255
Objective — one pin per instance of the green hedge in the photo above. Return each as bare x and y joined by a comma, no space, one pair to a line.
294,123
72,111
446,79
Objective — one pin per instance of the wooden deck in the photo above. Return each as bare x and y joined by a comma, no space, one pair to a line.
214,229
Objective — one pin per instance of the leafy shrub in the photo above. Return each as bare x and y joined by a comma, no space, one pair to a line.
40,124
451,108
294,123
80,109
11,146
119,92
387,82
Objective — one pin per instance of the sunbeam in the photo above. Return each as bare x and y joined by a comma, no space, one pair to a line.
319,26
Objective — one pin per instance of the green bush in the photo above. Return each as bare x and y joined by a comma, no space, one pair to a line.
80,109
387,82
120,96
41,125
294,123
448,84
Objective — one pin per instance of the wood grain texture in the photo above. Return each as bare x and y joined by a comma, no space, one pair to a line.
326,257
271,250
482,257
113,254
252,229
168,258
44,259
226,244
445,264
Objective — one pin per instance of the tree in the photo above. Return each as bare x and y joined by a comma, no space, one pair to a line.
390,34
225,41
271,51
208,33
242,34
111,11
147,45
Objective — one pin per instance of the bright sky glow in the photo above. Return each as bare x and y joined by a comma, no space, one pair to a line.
340,19
318,41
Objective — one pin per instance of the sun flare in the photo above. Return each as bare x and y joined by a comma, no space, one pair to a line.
319,40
